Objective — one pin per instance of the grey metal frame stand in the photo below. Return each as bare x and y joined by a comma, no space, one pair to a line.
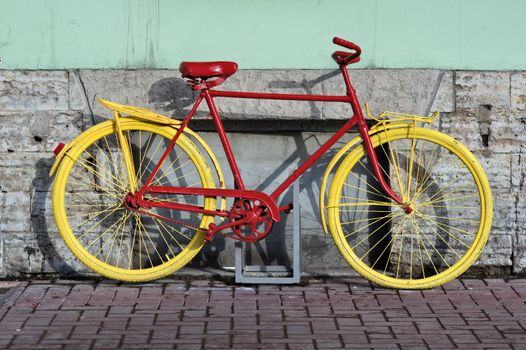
243,271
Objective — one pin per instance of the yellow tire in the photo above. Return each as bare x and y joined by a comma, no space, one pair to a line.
105,234
445,185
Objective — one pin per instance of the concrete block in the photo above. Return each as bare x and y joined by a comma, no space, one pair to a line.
465,129
2,270
134,87
497,167
42,219
489,130
13,133
38,109
519,249
22,254
165,92
399,90
475,88
78,101
15,208
25,171
404,90
498,250
445,97
320,253
57,258
518,171
38,131
25,253
506,132
518,91
33,90
274,81
504,215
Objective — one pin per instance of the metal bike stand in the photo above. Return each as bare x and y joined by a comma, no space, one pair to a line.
243,271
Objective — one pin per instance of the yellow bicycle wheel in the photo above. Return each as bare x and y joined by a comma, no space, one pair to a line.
445,185
105,234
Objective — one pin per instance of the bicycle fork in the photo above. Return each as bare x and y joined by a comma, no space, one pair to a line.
364,132
371,153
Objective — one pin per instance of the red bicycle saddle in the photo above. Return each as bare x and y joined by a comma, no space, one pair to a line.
205,70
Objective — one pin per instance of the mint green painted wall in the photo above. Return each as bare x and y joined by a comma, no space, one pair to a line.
458,34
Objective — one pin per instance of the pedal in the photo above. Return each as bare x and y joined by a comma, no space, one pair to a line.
287,208
210,233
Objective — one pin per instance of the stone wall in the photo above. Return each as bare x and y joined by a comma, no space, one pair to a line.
484,110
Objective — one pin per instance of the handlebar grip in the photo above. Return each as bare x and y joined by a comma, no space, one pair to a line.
351,57
347,44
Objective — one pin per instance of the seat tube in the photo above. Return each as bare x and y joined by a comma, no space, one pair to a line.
238,181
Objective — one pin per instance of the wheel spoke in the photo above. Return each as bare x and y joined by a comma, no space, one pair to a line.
135,244
414,249
427,174
388,245
443,228
373,222
374,231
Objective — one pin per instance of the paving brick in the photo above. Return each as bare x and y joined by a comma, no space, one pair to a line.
469,313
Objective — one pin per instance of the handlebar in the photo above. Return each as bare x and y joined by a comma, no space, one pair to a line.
344,58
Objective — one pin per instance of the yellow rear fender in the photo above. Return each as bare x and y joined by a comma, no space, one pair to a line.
123,113
147,115
79,139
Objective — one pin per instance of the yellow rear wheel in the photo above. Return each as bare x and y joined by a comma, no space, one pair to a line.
105,234
448,228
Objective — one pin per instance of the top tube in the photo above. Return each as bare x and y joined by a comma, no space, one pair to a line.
276,96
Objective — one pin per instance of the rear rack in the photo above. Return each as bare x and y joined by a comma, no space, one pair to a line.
386,116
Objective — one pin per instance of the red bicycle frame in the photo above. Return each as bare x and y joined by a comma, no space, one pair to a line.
240,191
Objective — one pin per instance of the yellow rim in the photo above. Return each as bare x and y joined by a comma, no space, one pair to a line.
404,164
61,208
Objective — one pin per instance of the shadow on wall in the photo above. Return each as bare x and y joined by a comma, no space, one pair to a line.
171,94
39,220
42,216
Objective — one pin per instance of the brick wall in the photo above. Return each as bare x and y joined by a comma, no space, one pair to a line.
484,110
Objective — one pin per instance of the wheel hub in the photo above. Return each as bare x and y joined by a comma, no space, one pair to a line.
131,201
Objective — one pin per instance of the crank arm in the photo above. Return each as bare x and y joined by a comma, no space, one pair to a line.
214,228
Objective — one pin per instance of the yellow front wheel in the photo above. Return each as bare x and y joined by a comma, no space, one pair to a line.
106,234
448,228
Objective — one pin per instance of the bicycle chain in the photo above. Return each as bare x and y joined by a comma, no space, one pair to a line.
183,223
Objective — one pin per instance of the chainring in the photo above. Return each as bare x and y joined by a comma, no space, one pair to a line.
259,221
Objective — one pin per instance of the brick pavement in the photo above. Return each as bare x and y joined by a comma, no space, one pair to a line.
322,314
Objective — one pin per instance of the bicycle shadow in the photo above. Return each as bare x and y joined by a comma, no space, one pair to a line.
41,213
172,94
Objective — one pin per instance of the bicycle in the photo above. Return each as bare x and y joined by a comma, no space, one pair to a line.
135,198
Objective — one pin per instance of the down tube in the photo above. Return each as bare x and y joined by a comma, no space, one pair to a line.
313,158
